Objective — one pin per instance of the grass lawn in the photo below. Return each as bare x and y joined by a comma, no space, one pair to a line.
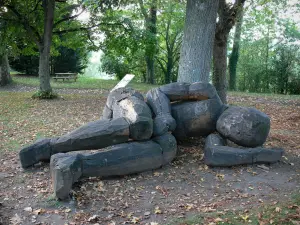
81,83
287,213
184,192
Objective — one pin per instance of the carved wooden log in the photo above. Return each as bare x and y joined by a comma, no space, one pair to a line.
216,154
197,118
93,135
122,159
245,126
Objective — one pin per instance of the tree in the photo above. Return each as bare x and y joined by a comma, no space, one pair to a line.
227,17
151,45
196,49
41,19
234,56
5,77
170,26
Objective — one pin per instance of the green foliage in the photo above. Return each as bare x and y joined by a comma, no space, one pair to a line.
113,65
269,53
44,95
127,41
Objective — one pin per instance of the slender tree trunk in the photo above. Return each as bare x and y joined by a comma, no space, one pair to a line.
220,66
152,42
197,45
234,56
226,21
5,77
266,87
44,48
150,68
169,70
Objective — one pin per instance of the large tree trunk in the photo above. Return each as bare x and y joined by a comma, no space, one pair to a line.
197,45
152,42
44,48
220,65
5,77
234,56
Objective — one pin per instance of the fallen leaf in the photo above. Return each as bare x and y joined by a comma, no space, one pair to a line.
245,218
28,209
67,210
16,219
277,209
157,210
93,218
217,220
135,220
147,213
38,211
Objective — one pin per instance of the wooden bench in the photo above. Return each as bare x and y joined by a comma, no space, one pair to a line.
65,76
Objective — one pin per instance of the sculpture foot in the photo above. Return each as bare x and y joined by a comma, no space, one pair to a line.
65,171
216,154
39,151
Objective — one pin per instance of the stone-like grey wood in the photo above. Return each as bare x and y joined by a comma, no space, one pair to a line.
176,91
107,113
163,124
122,159
202,91
169,147
245,126
139,115
158,102
39,151
120,94
217,155
94,135
197,118
65,169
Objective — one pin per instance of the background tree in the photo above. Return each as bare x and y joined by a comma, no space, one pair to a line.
197,44
127,42
151,41
41,19
4,66
227,16
234,56
170,27
265,28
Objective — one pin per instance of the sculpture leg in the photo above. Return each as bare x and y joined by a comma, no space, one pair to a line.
93,135
122,159
217,154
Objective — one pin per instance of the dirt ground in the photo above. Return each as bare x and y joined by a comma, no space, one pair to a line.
181,189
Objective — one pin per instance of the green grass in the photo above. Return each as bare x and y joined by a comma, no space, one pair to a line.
285,213
81,83
263,95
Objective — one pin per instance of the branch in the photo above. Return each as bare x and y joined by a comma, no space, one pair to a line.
161,65
68,18
85,28
144,12
35,7
30,29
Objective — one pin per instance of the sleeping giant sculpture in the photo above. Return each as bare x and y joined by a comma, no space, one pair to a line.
139,135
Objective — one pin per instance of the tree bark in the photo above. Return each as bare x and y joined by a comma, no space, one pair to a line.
197,45
220,65
227,15
44,48
150,50
5,77
234,56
